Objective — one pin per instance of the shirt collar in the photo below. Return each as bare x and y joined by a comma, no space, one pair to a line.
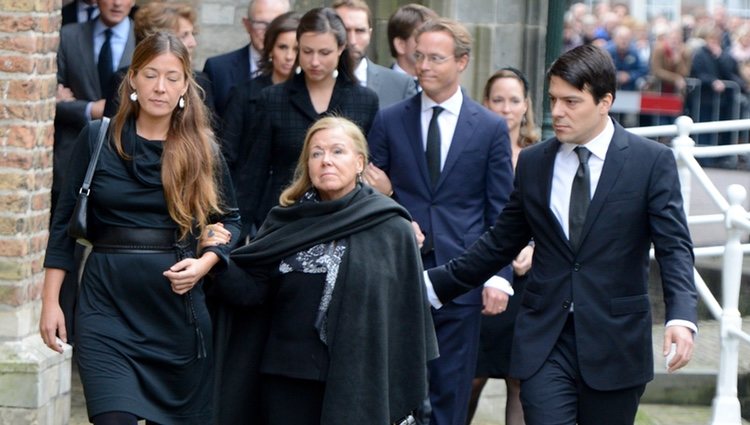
598,145
452,104
120,30
361,72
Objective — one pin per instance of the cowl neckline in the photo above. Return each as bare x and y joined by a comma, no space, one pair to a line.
144,155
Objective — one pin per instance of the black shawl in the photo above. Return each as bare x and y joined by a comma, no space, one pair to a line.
380,328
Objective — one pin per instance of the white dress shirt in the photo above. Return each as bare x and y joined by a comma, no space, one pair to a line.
361,72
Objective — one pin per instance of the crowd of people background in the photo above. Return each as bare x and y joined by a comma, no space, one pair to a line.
260,227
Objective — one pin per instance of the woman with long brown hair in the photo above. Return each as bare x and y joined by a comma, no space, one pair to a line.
143,334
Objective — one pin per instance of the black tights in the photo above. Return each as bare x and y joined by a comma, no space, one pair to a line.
117,418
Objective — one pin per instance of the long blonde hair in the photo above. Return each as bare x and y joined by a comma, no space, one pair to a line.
302,182
189,170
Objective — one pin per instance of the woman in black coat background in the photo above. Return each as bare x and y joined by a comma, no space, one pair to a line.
323,85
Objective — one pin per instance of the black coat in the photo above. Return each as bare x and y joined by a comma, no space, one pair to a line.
380,331
284,114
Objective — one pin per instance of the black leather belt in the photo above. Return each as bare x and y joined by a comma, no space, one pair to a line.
132,239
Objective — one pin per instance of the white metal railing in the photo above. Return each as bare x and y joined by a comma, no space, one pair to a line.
736,220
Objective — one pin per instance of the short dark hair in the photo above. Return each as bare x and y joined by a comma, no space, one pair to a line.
405,20
586,67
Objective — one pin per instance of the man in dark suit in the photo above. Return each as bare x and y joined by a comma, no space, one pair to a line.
451,168
594,199
229,69
79,11
390,86
80,96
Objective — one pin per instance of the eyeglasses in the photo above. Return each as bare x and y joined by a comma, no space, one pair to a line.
434,59
259,25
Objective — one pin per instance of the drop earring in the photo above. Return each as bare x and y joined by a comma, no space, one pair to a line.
181,103
335,74
298,70
134,96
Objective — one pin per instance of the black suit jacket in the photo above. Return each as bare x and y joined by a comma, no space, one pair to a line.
226,71
637,202
284,113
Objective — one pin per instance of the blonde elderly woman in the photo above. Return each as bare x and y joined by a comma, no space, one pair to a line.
337,263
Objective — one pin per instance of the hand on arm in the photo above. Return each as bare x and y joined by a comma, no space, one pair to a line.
214,235
52,320
377,178
522,262
186,273
418,233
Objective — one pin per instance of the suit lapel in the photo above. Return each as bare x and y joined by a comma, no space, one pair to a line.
127,54
300,98
462,136
412,123
373,82
240,69
88,64
617,153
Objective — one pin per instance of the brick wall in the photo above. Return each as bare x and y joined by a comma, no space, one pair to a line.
34,381
28,43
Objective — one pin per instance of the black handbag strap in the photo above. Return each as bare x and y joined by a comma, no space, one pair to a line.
95,157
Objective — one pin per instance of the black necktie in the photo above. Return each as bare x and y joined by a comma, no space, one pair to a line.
433,146
90,12
580,197
104,63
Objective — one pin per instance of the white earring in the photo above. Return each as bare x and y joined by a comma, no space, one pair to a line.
134,96
335,74
298,70
181,103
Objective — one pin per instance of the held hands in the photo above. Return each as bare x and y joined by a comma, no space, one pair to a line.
682,337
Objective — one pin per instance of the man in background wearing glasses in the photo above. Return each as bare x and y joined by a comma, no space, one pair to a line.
448,159
230,69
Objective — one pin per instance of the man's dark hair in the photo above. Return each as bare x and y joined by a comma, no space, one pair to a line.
405,20
587,68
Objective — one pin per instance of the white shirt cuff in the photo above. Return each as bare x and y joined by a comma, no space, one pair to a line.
431,295
89,106
685,323
500,283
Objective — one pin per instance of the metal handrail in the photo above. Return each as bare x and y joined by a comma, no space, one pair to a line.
725,407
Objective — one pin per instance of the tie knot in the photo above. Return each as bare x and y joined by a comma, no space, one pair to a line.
90,12
583,154
108,33
436,110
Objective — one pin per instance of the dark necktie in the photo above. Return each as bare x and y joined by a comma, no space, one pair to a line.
90,12
433,146
104,64
580,197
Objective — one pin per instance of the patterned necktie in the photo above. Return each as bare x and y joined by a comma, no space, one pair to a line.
433,146
580,197
104,64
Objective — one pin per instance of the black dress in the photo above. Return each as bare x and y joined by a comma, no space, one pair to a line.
138,349
284,113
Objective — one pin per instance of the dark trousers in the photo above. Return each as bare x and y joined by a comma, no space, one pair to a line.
557,394
457,328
